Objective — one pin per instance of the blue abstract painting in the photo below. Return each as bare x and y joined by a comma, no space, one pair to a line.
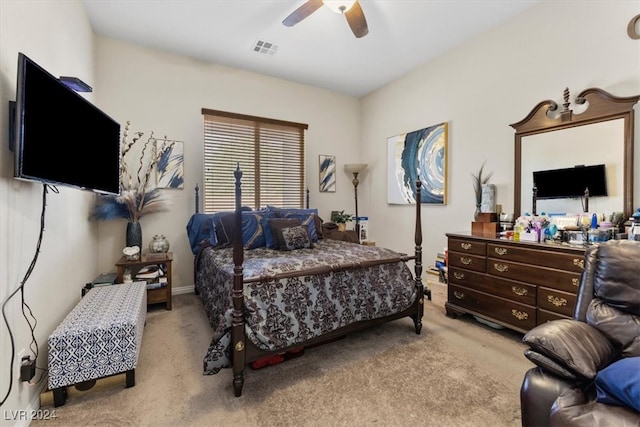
170,166
421,154
327,173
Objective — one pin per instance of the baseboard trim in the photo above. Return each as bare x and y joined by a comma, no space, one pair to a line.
23,418
183,290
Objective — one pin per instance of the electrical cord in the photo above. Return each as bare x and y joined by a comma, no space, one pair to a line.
24,304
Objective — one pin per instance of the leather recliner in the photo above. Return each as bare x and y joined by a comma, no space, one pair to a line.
574,357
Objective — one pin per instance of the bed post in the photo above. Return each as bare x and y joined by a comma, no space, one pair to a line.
197,191
238,337
417,320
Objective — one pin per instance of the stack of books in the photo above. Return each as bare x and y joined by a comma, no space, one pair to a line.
440,267
105,279
154,275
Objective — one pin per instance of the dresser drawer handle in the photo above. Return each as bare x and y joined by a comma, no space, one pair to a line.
501,267
579,262
458,275
519,291
458,294
465,246
501,251
558,302
575,281
520,315
465,260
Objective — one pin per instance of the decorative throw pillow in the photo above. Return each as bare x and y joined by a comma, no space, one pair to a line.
276,225
285,212
308,221
296,238
619,383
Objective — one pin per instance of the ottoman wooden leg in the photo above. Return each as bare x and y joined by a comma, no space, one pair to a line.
59,396
130,378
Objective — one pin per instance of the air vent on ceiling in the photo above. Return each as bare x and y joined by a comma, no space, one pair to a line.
267,48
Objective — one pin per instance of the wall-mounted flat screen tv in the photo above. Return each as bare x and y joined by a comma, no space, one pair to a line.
571,182
60,137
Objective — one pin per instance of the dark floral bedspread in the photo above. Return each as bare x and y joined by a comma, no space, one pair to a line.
285,312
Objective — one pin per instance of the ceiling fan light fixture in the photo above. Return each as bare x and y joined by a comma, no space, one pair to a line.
339,6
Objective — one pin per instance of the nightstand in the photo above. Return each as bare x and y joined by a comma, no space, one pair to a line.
158,291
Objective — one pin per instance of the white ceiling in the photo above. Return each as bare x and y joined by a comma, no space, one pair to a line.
320,51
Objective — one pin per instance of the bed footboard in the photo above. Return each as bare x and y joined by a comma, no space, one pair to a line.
243,351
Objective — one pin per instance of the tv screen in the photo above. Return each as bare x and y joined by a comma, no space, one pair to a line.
571,182
60,137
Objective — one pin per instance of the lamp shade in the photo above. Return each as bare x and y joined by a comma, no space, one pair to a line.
355,167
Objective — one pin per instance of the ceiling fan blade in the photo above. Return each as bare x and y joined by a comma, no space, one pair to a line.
302,12
357,22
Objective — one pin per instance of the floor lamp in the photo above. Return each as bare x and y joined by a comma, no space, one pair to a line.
355,169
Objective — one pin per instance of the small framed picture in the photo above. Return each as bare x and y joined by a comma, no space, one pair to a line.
327,174
170,168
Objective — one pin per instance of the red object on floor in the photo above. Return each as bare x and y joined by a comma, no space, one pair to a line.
278,358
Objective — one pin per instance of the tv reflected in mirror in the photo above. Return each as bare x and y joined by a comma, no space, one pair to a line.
571,182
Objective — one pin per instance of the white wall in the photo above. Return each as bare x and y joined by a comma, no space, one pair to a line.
165,93
58,37
481,88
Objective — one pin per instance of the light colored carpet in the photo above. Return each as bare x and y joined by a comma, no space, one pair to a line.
456,373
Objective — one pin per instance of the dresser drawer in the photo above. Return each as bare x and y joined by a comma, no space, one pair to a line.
467,246
546,316
520,316
556,301
543,258
469,262
510,289
549,277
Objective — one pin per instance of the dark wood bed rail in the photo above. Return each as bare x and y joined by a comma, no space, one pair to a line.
244,352
326,269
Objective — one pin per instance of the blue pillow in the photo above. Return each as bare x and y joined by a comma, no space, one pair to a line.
252,230
619,383
268,234
200,229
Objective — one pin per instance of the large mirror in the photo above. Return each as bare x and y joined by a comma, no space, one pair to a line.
597,130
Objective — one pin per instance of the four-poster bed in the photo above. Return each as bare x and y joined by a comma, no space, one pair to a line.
263,302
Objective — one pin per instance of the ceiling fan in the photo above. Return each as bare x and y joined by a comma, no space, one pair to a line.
350,9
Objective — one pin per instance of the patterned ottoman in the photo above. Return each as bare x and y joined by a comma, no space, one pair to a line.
100,337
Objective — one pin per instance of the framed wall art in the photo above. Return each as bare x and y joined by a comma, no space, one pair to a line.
327,173
419,154
170,166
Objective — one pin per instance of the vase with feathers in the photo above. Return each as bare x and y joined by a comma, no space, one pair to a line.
137,197
479,180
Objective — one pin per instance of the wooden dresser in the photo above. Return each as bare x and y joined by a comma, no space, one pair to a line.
515,284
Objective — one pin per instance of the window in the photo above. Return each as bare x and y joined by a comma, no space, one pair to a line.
270,154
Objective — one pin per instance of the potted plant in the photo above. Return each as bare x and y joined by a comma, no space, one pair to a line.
341,219
478,181
137,196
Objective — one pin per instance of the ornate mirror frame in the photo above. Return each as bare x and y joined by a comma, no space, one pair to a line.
601,106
